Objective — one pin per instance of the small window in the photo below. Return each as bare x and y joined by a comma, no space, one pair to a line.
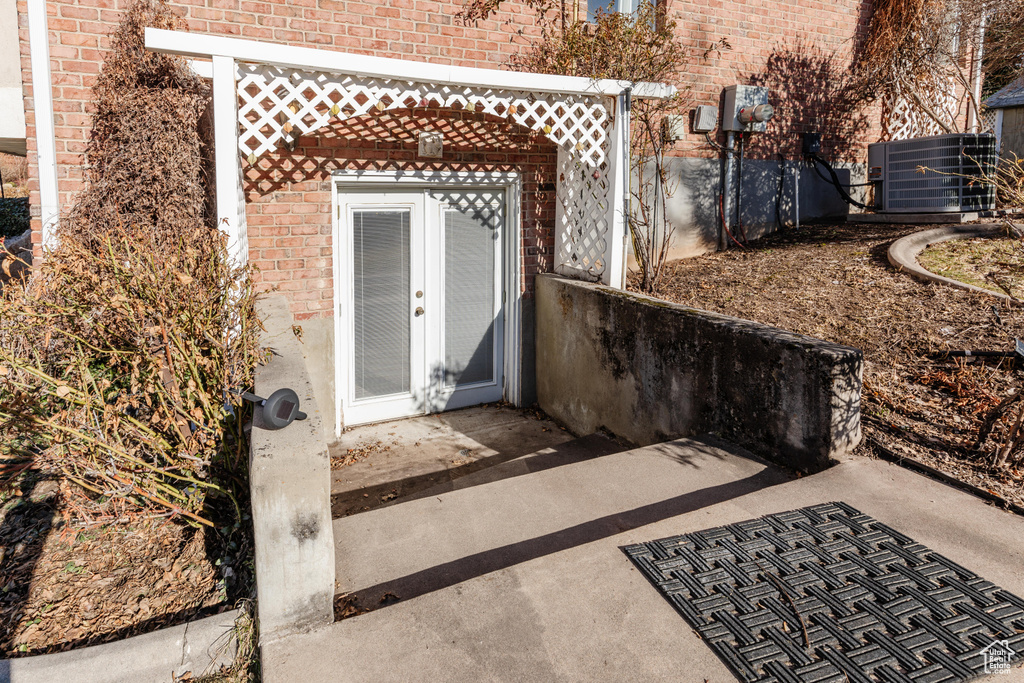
625,6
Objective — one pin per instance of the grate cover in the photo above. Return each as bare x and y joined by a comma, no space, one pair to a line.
876,605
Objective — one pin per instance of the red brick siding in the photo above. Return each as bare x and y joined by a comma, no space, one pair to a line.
800,49
289,194
411,29
427,30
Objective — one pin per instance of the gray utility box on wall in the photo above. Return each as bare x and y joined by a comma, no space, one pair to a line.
737,97
932,174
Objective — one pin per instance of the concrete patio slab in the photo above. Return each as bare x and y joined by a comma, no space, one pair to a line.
405,457
437,541
533,584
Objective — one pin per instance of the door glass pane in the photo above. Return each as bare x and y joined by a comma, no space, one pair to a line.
381,297
471,238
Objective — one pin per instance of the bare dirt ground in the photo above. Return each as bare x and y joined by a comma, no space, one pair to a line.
833,282
64,586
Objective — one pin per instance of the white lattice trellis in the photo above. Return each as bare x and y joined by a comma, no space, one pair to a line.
902,119
277,104
267,95
987,120
582,218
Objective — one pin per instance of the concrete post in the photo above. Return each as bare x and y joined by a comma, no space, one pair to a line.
290,479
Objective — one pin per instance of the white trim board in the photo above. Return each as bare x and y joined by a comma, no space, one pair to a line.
206,46
511,183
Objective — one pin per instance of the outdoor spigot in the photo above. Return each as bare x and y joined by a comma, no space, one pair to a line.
280,409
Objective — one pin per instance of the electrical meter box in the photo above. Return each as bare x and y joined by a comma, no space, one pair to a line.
737,97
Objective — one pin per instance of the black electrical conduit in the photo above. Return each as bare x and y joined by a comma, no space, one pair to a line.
721,194
721,215
829,180
835,181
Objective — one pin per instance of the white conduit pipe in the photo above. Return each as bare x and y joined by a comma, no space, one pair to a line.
42,99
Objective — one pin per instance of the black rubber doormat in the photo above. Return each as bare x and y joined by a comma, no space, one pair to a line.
828,594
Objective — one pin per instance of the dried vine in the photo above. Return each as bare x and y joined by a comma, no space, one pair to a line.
930,53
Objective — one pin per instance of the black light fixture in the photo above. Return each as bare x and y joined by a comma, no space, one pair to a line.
280,409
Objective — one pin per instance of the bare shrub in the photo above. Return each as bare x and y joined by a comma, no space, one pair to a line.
1008,179
146,163
116,368
118,358
14,173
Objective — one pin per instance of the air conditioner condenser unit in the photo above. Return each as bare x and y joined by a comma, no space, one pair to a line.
933,174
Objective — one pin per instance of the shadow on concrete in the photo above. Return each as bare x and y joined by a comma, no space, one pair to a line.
405,489
451,573
699,449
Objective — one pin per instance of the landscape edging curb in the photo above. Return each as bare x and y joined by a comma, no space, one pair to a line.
156,657
903,254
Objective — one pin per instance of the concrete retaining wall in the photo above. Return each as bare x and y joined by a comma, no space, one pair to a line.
693,206
650,371
291,494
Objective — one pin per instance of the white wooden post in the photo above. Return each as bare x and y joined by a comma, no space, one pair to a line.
42,100
230,205
618,195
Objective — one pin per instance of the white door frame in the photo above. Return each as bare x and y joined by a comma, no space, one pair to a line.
364,181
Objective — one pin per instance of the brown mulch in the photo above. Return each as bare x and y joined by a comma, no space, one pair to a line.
63,586
833,282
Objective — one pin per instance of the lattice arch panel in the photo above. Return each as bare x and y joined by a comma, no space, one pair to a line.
583,219
278,104
987,120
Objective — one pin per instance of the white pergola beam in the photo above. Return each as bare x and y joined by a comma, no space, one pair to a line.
202,46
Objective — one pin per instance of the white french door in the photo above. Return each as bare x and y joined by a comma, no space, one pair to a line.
421,308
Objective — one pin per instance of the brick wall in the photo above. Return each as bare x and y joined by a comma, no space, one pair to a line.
800,49
290,235
289,194
784,45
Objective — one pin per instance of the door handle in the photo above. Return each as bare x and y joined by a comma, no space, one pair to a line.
419,311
